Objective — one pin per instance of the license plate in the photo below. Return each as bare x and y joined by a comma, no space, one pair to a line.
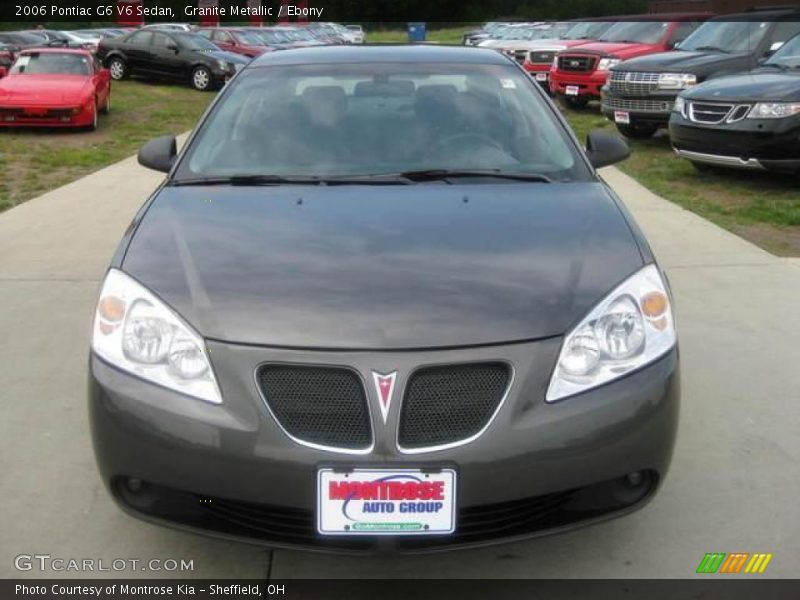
386,502
573,90
622,116
541,77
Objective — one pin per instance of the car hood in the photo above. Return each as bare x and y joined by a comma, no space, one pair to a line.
617,49
766,85
230,57
44,88
383,267
699,63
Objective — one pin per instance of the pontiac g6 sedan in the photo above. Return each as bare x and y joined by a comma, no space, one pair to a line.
383,301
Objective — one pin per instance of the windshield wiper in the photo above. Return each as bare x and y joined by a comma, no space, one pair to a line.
256,180
776,65
710,49
444,174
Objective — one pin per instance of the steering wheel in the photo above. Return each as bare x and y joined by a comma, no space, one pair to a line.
464,139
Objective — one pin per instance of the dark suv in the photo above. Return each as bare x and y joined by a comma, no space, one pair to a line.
640,93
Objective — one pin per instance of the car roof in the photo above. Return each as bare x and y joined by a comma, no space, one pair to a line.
765,14
663,17
49,50
381,53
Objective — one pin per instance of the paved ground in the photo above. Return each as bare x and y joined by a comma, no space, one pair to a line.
733,485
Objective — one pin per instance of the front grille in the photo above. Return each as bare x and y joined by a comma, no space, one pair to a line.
706,112
576,63
324,406
449,404
541,57
44,115
633,83
644,106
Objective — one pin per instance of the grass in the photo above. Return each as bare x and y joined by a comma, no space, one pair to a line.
450,35
761,207
34,161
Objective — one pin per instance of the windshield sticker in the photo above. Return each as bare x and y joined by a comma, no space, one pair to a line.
508,84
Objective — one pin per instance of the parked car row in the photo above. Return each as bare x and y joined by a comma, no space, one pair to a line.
727,88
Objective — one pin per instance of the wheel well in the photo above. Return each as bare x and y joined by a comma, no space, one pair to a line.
112,55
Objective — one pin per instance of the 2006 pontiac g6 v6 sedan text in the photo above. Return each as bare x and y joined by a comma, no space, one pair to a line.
383,301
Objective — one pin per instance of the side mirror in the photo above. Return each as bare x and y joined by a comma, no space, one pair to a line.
159,154
605,149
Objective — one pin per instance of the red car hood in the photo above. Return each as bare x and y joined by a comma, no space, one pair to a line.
44,89
619,50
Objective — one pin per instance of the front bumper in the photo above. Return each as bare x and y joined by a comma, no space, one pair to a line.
539,72
760,144
588,84
653,108
46,116
229,470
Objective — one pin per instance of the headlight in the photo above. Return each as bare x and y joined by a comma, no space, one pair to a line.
630,328
680,105
676,81
136,332
606,63
222,64
773,110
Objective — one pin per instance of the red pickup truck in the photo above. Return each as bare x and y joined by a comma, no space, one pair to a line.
578,74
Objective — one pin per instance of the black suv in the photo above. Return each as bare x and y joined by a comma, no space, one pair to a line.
641,92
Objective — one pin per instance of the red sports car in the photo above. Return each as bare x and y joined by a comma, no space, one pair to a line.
54,87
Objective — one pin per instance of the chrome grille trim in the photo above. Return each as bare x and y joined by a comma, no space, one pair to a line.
541,57
710,113
633,82
577,63
645,106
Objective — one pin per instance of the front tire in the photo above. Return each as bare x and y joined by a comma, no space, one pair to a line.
202,78
118,68
637,131
95,118
107,106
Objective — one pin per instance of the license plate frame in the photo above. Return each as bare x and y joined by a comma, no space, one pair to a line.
340,515
622,116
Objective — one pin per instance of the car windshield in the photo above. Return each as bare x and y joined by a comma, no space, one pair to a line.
248,38
587,31
788,55
381,119
192,41
726,36
52,63
636,32
269,37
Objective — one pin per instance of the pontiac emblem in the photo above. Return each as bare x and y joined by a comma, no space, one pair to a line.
384,386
